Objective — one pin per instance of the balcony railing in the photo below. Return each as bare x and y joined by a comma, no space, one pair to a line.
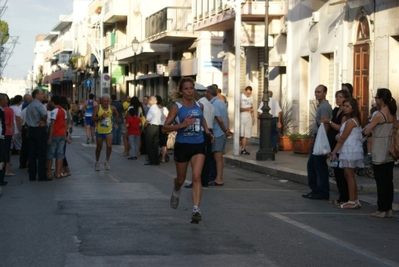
167,20
204,9
62,46
115,10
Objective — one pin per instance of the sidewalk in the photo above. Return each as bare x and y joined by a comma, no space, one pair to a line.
290,166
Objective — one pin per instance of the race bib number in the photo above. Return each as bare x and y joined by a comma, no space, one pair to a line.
105,123
192,129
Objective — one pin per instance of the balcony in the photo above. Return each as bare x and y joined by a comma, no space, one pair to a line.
115,10
62,46
213,15
49,55
95,7
170,25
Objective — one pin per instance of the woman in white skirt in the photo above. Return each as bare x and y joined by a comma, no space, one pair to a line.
350,148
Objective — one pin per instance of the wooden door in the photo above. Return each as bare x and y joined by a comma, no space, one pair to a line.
361,80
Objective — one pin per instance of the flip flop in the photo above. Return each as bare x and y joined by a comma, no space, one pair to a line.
10,174
215,184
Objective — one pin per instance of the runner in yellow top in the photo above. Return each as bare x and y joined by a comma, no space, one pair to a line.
103,116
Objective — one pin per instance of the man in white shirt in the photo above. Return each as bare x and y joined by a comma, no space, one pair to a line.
17,108
247,118
275,111
153,120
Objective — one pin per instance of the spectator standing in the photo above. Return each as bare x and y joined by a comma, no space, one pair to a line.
2,146
27,100
104,115
350,148
163,137
220,133
335,122
9,135
380,127
56,138
116,133
153,120
88,108
189,146
246,118
133,124
146,104
36,117
275,111
317,165
17,108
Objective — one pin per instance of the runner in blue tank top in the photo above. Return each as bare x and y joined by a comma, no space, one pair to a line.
189,145
88,109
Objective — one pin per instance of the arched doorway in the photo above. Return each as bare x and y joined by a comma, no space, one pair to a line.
361,65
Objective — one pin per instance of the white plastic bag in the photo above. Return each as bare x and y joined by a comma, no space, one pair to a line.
321,144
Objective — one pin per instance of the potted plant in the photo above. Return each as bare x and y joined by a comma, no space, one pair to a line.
301,143
287,123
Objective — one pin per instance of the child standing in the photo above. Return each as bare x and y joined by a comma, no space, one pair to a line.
133,124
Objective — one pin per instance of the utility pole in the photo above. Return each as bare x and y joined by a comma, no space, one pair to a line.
265,151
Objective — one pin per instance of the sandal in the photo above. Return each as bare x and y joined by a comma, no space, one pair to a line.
350,205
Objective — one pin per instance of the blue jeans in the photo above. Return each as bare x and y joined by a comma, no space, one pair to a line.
134,145
117,133
274,132
318,175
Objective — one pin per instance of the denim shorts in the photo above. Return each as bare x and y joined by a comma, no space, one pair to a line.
102,136
56,147
219,143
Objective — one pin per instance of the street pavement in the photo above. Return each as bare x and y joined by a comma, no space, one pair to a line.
290,166
122,217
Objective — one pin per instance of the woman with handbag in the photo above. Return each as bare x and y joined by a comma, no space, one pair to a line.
335,125
381,128
350,148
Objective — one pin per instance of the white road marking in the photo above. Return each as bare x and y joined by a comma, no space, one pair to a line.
334,240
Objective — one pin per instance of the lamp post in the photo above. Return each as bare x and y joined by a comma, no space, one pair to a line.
135,47
111,58
265,151
95,65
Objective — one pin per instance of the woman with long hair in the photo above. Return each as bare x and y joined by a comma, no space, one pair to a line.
190,124
335,122
138,106
380,127
350,148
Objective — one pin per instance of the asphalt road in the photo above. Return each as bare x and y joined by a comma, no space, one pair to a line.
122,217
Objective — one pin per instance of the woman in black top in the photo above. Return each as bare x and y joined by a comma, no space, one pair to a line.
335,124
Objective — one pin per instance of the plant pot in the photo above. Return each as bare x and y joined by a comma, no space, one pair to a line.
284,143
302,146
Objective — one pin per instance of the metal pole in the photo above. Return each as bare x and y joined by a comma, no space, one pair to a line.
135,73
265,151
237,36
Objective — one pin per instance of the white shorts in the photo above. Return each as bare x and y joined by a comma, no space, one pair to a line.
246,127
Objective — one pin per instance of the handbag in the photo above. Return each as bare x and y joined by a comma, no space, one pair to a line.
321,144
394,147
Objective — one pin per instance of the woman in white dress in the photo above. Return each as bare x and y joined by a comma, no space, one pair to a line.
350,148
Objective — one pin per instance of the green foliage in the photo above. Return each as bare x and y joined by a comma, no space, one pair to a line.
295,136
4,31
287,118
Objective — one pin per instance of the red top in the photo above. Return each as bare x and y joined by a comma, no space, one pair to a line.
133,125
59,116
9,116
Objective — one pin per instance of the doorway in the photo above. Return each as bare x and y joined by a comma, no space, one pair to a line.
361,66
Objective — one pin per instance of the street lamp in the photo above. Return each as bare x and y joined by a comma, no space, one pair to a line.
135,47
95,65
111,58
265,151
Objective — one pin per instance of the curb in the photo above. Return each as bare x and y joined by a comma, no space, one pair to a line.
287,173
